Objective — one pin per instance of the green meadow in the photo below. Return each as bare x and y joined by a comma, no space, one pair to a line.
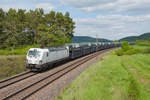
19,50
113,77
11,65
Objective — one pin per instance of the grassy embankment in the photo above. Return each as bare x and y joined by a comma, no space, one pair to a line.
12,60
115,77
11,65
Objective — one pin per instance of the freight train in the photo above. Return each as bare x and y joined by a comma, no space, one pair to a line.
38,59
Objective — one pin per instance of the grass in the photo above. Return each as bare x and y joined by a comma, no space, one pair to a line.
140,47
124,77
12,60
11,65
21,50
127,49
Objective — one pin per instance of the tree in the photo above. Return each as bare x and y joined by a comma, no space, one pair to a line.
115,40
34,18
69,25
2,33
50,18
10,25
125,46
21,27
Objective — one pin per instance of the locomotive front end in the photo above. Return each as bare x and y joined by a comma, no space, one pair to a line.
34,58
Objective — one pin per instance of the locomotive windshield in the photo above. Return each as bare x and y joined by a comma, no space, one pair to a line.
34,53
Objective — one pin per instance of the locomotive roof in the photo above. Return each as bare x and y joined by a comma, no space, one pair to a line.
49,48
56,48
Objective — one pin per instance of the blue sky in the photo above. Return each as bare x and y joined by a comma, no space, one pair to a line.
110,19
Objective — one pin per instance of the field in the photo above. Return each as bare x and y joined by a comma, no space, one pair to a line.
11,65
114,77
20,50
12,60
140,47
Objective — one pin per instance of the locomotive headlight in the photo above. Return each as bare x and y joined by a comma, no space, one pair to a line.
40,62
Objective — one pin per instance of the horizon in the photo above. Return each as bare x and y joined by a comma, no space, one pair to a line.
113,40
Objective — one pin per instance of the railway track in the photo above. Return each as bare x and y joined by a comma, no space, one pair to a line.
32,87
16,78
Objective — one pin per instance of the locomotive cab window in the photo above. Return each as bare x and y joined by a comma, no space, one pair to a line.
34,53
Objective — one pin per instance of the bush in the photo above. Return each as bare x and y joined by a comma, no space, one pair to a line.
125,46
127,49
142,43
146,50
132,51
119,52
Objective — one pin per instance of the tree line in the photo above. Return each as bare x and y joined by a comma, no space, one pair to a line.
21,27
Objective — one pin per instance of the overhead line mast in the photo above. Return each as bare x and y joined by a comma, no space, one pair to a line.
96,37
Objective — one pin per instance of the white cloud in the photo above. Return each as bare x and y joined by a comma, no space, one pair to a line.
7,7
8,0
130,6
84,3
112,26
42,0
45,6
115,20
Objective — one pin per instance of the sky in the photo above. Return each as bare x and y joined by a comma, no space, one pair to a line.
109,19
